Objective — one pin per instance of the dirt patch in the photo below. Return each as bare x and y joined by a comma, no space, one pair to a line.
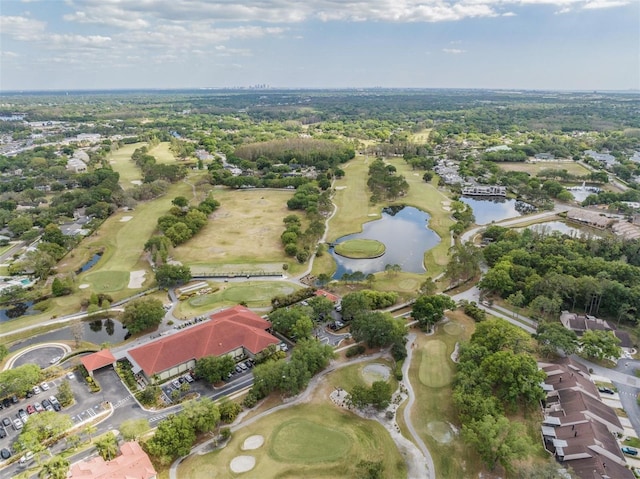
136,279
253,442
241,464
375,372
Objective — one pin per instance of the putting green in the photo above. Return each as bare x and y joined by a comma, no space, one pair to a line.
454,329
302,441
360,248
107,281
435,369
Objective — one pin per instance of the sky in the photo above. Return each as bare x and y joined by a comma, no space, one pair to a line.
147,44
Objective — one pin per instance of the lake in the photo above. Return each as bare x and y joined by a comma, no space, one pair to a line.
405,232
487,210
561,227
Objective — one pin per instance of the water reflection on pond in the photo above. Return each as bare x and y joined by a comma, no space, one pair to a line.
97,332
406,235
550,227
17,310
490,209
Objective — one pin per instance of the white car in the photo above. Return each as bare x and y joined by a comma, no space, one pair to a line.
176,383
45,386
36,390
71,376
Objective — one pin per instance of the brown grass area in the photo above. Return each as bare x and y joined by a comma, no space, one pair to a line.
535,168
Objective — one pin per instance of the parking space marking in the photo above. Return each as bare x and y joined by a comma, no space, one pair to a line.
122,401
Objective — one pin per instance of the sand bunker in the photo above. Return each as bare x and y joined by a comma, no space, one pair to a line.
340,187
253,442
242,464
440,431
375,372
136,182
83,286
136,279
124,219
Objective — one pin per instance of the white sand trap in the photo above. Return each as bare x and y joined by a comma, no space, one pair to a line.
341,187
242,464
253,442
136,182
124,219
136,279
83,286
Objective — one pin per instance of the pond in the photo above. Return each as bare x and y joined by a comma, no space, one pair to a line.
563,228
97,331
405,232
17,310
90,264
489,209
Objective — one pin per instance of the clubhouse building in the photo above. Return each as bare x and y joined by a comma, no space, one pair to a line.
236,332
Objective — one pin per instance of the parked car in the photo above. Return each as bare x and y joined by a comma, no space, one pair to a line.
53,399
38,406
31,409
71,376
5,453
6,422
6,402
238,369
45,386
3,433
36,390
26,457
284,347
606,390
56,406
23,415
248,364
188,378
17,424
629,450
176,383
242,366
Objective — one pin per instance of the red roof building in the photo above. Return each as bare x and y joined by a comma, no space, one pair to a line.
332,297
133,463
98,360
236,331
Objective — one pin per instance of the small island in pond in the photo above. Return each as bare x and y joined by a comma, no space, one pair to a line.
360,248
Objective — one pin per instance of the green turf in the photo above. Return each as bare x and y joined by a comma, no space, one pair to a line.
107,281
435,368
360,248
301,441
120,161
162,153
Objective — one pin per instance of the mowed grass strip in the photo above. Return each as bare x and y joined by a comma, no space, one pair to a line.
435,370
162,153
297,453
300,440
360,248
120,161
255,294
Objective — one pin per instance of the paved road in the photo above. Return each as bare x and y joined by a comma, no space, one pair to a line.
407,410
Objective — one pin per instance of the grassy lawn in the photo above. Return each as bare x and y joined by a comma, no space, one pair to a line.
242,235
120,161
360,248
422,136
308,440
355,375
256,294
162,153
534,168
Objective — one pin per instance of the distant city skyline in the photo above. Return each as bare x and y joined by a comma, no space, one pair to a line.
174,44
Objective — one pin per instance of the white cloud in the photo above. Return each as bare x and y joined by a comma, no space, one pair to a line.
8,54
21,28
454,51
595,4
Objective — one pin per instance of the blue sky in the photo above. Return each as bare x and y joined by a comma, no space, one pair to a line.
526,44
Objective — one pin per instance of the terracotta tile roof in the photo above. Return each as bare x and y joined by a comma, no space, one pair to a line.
327,294
133,463
97,360
224,332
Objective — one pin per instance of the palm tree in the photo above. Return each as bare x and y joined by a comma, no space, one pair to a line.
56,468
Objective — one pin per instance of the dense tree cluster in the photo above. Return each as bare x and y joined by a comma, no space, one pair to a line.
429,309
496,372
142,314
554,272
294,322
378,395
152,170
168,275
384,183
281,301
17,381
214,368
182,223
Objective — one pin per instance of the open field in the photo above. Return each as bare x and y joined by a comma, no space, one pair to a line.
360,248
243,234
422,136
256,294
162,153
308,440
534,168
120,161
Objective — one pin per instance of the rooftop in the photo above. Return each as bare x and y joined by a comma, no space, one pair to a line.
133,463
